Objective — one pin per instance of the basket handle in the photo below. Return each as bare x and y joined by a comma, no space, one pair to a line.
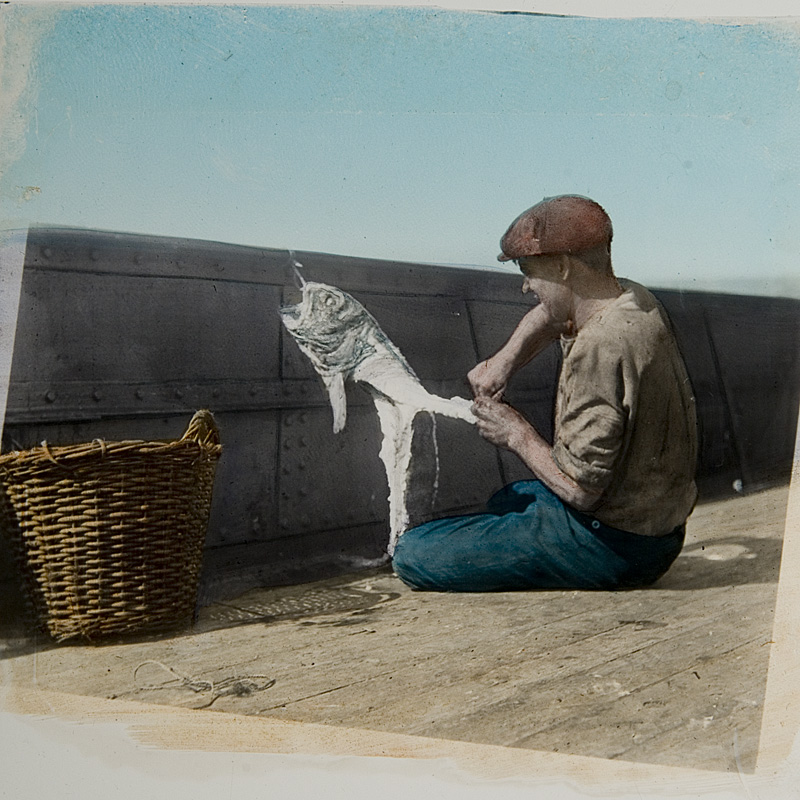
202,429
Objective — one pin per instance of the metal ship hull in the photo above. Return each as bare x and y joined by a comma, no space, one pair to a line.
123,336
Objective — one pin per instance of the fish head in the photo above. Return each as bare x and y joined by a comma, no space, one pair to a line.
322,312
328,325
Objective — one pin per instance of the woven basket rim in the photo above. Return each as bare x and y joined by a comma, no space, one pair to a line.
99,447
201,425
109,536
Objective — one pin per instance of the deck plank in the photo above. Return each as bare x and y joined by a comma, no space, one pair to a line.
609,628
447,696
613,675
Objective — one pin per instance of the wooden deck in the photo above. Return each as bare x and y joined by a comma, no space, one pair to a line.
672,675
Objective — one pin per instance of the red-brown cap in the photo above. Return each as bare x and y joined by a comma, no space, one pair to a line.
565,224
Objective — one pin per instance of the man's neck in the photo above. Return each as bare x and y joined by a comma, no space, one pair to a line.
594,295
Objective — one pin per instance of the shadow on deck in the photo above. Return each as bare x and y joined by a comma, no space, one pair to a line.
673,675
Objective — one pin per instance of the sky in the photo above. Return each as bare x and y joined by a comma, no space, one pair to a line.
413,133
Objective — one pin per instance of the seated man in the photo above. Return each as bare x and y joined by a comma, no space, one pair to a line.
609,499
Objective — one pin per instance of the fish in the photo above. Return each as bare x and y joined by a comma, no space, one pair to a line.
344,342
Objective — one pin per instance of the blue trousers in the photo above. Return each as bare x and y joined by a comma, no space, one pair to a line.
528,538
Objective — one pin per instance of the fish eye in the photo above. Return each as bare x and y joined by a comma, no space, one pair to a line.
330,300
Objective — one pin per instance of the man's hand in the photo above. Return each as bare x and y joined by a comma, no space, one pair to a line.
533,333
499,423
505,427
489,378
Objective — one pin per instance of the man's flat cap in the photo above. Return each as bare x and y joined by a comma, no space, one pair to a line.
565,224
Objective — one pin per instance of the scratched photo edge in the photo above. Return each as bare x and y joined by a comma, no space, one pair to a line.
779,725
155,726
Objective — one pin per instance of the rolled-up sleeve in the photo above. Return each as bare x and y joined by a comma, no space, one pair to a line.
591,416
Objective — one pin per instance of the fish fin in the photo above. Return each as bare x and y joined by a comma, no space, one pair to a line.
335,385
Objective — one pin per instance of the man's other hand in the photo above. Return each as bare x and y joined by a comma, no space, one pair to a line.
488,379
500,423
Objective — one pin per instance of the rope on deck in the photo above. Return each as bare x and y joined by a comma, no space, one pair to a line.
237,686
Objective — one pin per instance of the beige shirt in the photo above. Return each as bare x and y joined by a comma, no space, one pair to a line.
625,416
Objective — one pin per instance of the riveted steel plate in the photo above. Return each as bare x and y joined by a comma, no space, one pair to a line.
433,333
244,506
295,365
457,474
755,341
107,253
40,401
718,462
401,278
329,480
22,437
111,328
493,322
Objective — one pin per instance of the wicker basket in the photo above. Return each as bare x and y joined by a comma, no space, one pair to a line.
109,535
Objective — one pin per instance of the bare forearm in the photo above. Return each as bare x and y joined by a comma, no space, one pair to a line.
537,455
533,333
